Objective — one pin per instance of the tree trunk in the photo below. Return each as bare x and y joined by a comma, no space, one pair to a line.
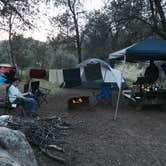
160,29
78,41
161,14
10,42
79,51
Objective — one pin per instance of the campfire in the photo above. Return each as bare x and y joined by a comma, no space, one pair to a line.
78,102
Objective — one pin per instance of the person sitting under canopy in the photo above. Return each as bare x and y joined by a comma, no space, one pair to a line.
151,73
150,76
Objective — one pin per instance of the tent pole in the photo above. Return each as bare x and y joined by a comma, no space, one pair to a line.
120,89
105,75
117,105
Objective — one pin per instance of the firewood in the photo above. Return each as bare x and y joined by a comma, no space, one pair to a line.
60,159
56,147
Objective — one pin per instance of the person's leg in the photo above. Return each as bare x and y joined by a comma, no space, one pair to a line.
20,102
29,105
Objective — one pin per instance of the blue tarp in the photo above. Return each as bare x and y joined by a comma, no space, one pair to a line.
7,73
2,78
148,49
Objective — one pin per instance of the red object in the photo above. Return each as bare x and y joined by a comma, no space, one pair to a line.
37,73
7,68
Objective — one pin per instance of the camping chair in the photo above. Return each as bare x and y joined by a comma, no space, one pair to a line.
105,94
39,93
18,108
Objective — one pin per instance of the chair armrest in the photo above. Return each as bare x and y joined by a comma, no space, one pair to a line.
45,90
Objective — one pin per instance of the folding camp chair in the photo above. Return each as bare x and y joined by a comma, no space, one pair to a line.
18,108
39,93
105,95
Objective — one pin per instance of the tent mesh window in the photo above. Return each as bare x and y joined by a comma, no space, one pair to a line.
93,72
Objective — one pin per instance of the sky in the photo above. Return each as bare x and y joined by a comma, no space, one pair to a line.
42,25
92,4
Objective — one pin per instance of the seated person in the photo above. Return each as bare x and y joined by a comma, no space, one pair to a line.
15,96
152,73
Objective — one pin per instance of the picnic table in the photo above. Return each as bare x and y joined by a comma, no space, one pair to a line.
146,97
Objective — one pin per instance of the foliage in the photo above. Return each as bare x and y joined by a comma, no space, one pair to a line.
19,13
148,13
118,24
15,16
4,52
97,35
32,53
64,52
72,9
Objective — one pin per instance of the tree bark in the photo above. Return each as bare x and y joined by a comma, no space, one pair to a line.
161,14
158,26
78,41
10,42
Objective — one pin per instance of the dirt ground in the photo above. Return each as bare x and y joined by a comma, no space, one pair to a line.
136,138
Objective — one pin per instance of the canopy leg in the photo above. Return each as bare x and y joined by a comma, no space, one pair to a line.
117,105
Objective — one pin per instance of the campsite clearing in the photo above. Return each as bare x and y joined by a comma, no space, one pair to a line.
137,137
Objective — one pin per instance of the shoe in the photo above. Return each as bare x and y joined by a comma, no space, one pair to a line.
33,115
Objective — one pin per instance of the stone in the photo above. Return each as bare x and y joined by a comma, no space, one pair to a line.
15,149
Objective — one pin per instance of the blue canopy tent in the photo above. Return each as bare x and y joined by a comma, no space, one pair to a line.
148,49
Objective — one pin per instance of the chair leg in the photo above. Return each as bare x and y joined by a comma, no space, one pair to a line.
45,99
20,111
40,99
7,109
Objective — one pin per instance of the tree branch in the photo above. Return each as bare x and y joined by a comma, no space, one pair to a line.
161,14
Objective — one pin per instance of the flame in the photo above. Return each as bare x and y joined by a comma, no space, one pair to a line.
74,101
79,100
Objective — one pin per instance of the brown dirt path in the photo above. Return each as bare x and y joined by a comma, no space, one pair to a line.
136,138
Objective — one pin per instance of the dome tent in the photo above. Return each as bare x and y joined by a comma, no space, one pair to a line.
109,75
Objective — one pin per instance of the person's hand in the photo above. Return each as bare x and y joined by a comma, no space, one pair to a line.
30,93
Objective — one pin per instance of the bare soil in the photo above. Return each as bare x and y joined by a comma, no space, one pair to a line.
136,138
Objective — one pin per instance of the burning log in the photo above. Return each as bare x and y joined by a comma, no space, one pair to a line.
78,102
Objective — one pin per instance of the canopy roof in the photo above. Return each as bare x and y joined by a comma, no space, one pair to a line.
148,49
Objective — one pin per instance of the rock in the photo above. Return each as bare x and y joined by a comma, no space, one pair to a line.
4,119
15,149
